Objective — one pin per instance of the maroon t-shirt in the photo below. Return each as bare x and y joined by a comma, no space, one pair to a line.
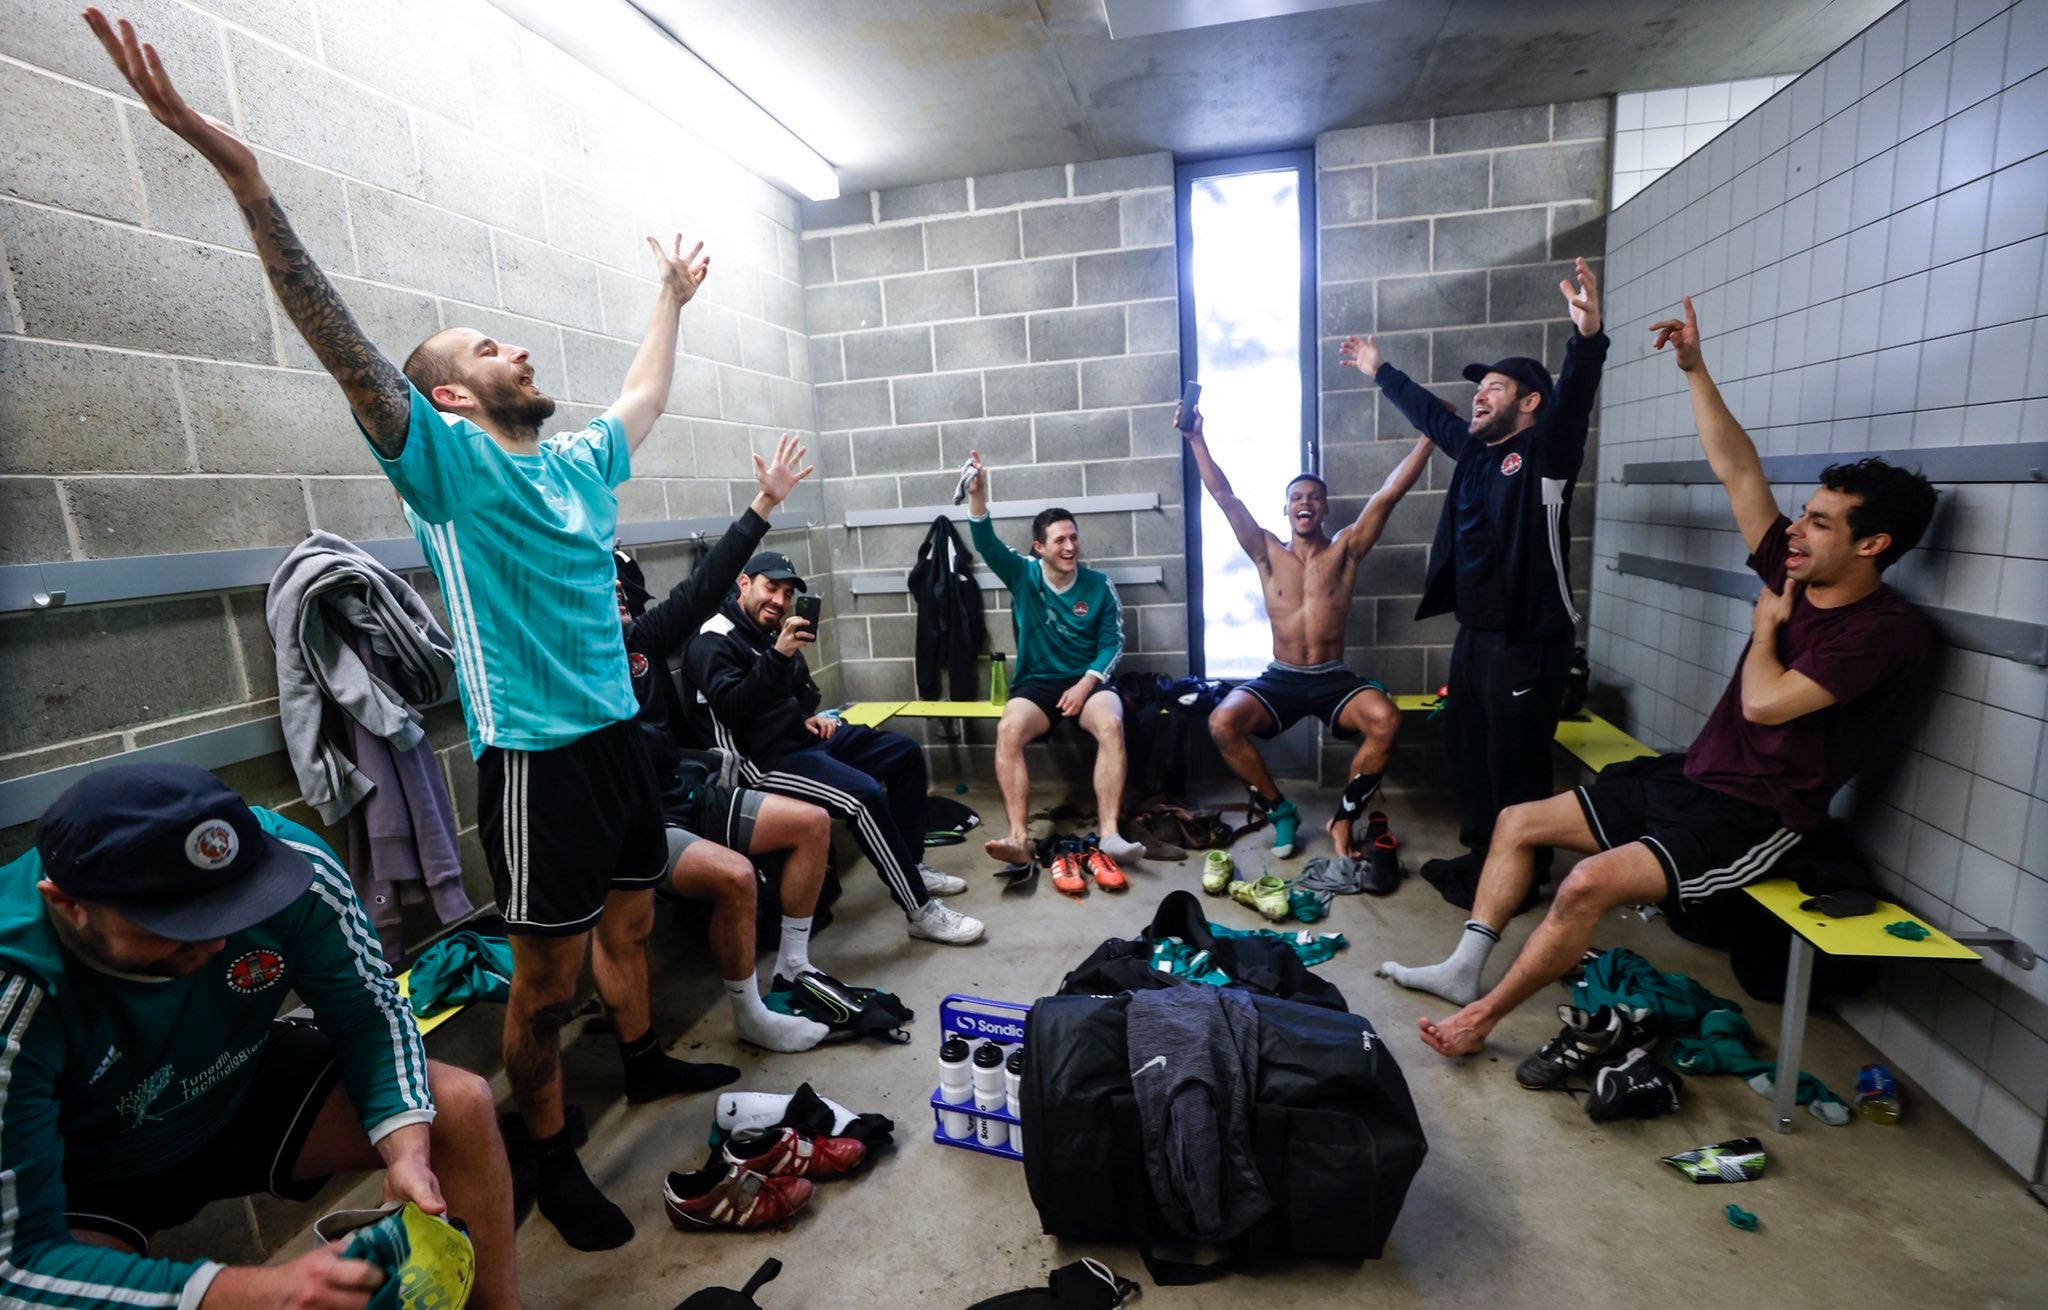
1866,655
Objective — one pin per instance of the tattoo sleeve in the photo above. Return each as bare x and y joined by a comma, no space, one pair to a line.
376,390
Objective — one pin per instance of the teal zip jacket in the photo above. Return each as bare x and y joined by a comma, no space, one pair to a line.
116,1077
1060,634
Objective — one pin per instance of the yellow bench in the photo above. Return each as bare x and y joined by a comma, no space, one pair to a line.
1862,937
432,1021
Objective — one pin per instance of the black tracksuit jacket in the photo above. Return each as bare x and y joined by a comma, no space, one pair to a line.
759,696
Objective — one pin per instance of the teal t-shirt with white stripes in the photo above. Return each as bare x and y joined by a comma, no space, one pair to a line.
522,545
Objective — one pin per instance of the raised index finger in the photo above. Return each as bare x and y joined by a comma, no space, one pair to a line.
1691,319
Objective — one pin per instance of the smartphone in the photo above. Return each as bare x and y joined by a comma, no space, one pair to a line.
807,608
1190,396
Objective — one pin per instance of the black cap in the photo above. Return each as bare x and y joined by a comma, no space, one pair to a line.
774,566
1528,373
170,847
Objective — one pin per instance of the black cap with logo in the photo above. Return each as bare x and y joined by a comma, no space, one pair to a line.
170,847
1528,373
774,566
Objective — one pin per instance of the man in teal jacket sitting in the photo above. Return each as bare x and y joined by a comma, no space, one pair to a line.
1070,635
145,945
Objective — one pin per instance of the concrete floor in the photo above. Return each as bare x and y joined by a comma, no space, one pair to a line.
1522,1201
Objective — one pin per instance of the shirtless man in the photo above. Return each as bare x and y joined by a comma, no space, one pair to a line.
1307,581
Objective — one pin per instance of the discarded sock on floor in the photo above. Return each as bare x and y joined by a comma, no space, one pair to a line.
724,1298
806,1111
460,969
1083,1285
1740,1218
1338,874
847,1010
1675,1003
1724,1045
1308,904
1739,1161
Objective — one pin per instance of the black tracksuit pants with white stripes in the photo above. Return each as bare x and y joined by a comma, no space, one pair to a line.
875,782
1499,725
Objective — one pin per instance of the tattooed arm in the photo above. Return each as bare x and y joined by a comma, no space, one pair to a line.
376,390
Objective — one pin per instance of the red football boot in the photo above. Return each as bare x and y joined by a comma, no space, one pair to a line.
783,1153
731,1198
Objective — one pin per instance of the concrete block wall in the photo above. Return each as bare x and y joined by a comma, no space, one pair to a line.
447,168
1865,252
1031,316
1446,237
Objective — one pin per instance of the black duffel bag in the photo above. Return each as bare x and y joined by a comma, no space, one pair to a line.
1259,965
1334,1133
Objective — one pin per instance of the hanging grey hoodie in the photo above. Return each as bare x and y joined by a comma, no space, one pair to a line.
327,588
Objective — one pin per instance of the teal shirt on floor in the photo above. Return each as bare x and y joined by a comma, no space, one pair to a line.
522,546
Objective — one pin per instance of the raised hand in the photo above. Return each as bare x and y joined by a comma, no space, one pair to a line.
779,477
1193,432
681,274
1684,337
1363,353
1583,299
145,73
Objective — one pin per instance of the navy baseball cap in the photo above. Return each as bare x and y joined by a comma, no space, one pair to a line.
774,566
170,847
1528,373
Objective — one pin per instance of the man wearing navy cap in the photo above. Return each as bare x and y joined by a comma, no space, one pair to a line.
1501,562
145,945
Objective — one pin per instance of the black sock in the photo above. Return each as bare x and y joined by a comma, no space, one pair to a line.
583,1215
652,1073
1356,793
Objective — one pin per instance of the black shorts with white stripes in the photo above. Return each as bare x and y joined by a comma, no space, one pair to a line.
1706,840
562,828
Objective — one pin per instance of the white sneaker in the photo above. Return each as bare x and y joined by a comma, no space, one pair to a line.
937,882
938,922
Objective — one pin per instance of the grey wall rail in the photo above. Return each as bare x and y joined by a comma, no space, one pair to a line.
2011,639
22,799
2024,462
885,584
1000,509
135,577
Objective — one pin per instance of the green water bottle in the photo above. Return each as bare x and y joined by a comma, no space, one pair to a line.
998,679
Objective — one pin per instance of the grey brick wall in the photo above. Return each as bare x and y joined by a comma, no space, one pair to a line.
152,400
1029,315
1865,254
1446,237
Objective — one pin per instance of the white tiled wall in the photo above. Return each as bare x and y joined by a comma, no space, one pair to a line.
1865,252
1654,130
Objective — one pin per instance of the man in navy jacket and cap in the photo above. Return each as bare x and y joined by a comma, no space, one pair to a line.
1501,562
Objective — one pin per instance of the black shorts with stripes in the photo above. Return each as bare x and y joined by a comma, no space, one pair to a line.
562,828
1706,840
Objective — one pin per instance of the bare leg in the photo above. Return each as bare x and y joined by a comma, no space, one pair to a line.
706,871
1509,873
545,971
1626,875
619,963
1231,726
1103,719
1022,723
1377,720
805,831
467,1158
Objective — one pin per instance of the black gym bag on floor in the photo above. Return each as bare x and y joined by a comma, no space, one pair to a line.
1334,1133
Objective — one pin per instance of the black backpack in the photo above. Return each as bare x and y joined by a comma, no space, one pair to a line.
1334,1134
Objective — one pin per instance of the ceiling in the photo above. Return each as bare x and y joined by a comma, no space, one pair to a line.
894,92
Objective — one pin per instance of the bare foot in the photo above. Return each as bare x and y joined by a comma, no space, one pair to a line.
1010,850
1464,1033
1339,829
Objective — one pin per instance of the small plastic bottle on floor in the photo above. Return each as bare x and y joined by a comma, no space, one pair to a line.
1013,1087
1877,1095
956,1087
988,1094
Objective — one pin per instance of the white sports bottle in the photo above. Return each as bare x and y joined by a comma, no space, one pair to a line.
988,1094
956,1087
1013,1085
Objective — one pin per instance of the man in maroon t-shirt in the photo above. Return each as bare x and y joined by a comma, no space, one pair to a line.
1833,651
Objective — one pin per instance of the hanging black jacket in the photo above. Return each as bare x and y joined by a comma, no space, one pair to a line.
741,694
660,631
950,631
1527,486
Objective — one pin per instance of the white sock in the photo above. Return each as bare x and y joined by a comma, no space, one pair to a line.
1118,847
764,1027
1456,979
795,956
742,1110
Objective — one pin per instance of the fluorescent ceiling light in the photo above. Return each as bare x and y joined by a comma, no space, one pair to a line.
616,39
1129,18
